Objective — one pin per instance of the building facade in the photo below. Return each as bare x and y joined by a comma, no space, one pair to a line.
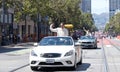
6,23
26,30
86,6
114,6
29,31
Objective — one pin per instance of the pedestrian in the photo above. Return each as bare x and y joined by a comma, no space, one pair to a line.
75,35
61,31
11,38
15,39
19,38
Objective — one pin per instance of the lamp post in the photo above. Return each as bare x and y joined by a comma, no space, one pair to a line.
3,22
26,35
46,27
11,21
110,31
38,26
3,14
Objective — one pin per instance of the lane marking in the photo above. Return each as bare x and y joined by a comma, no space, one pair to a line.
19,68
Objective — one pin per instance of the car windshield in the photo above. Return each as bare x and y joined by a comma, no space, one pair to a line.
87,37
56,41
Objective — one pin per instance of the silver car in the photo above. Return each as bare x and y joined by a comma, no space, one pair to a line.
88,42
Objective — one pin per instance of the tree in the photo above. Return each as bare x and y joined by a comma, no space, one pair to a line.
114,24
88,22
67,11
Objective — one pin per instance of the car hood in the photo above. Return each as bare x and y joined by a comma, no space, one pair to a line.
87,40
53,49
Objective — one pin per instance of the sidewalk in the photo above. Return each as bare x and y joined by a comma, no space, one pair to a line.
19,48
27,44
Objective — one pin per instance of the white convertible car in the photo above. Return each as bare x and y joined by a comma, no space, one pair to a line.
54,51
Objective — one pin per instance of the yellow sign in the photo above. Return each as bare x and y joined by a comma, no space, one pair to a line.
68,26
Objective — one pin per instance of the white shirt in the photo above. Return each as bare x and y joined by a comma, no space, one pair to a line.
59,31
88,33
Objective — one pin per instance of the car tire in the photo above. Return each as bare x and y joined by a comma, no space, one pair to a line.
34,68
96,46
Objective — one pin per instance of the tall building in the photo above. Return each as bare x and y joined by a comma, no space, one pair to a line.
86,6
114,6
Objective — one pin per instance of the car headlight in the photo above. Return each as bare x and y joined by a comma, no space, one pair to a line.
41,55
69,53
80,41
33,53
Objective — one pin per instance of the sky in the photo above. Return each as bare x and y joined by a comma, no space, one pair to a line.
100,6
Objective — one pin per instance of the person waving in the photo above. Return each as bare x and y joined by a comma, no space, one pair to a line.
61,31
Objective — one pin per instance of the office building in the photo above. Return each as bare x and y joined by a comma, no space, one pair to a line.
86,6
114,6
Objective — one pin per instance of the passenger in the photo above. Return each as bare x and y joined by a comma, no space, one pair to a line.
87,32
61,31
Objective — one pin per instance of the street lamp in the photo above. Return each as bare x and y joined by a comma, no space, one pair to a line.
38,26
11,21
3,15
3,22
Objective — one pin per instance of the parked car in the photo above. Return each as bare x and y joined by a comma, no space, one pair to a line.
88,42
54,51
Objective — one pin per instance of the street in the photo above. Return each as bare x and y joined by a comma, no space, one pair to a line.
106,58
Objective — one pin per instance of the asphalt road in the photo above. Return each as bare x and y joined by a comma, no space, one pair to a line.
16,58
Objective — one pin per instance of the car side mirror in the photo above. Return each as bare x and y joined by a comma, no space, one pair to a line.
35,44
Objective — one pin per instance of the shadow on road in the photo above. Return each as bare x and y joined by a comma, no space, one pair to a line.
6,49
82,67
91,48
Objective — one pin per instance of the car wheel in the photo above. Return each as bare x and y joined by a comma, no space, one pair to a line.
34,68
96,45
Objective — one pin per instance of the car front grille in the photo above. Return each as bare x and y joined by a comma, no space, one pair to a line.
56,63
51,55
87,42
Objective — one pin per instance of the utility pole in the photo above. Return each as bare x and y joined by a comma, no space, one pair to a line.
38,26
3,22
3,13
